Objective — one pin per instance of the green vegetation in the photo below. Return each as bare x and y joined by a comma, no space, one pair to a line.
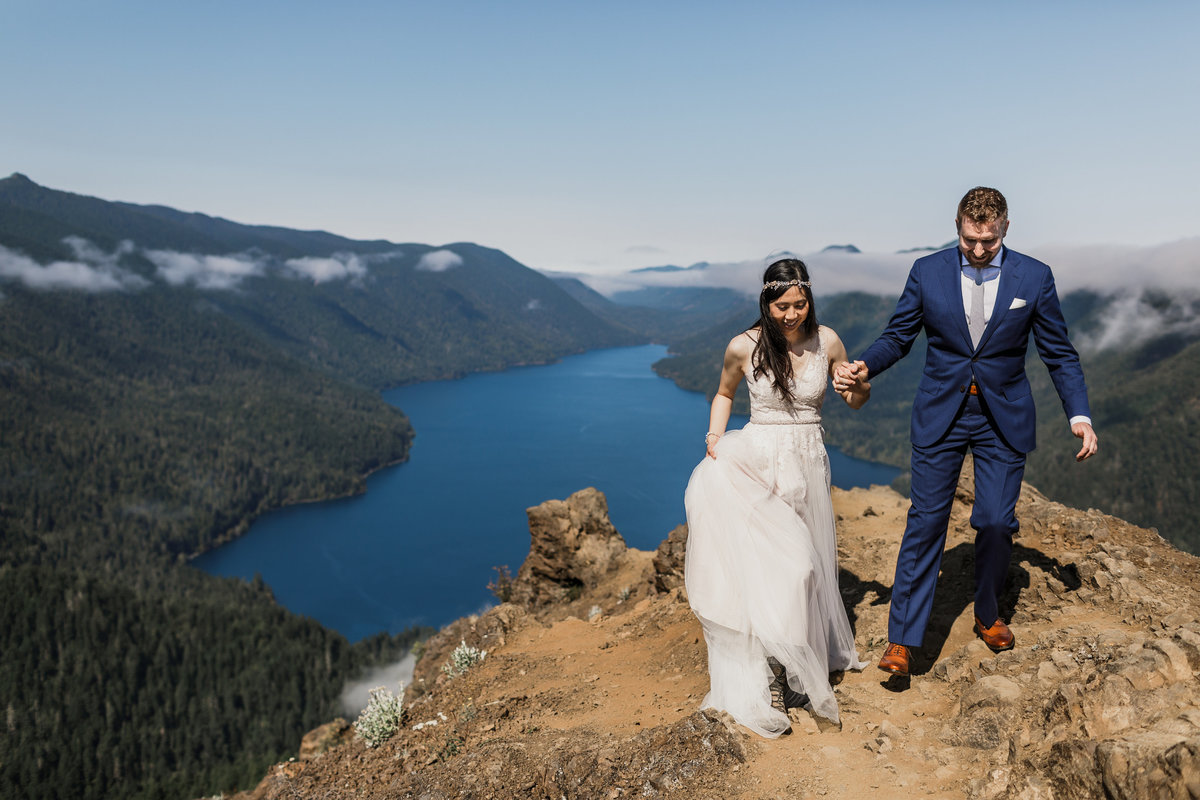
136,432
141,427
1144,406
462,659
380,720
1146,409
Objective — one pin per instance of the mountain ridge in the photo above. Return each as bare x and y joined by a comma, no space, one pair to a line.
166,378
1148,466
595,671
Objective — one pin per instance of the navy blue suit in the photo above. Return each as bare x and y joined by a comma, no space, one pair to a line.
997,425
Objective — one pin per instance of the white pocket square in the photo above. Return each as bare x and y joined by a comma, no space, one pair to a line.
1017,303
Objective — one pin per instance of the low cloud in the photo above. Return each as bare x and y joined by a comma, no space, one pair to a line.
357,693
832,272
89,253
533,305
93,270
203,271
1131,319
1100,268
645,249
339,266
439,261
1105,268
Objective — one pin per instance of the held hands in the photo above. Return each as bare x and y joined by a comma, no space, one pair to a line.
1084,431
849,374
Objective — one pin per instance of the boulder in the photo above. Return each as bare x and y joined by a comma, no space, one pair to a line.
578,564
669,559
572,545
326,737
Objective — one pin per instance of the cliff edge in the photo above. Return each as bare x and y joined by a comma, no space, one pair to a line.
594,674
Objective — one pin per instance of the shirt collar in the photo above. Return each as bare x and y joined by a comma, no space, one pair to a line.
995,262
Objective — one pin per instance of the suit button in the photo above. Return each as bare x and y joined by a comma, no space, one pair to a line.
962,388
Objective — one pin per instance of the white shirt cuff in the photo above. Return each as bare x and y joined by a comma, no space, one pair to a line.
1080,418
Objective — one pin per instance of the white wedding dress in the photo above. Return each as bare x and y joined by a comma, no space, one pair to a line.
761,562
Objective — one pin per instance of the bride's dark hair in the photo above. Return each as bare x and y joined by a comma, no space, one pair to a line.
770,355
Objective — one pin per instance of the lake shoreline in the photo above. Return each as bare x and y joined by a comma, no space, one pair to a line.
420,544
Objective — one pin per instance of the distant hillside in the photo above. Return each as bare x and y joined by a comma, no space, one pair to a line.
949,244
166,378
672,268
666,315
704,299
375,312
1148,468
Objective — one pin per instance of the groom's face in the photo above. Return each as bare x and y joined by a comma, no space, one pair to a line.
980,241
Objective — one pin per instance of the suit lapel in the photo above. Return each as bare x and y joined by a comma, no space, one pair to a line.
954,295
1011,277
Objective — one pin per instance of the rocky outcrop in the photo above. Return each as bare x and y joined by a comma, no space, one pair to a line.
578,563
669,559
1099,699
326,737
687,756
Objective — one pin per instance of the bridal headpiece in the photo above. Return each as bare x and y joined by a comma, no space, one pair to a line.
784,284
783,255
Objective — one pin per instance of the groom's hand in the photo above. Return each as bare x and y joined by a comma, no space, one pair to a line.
849,373
1090,443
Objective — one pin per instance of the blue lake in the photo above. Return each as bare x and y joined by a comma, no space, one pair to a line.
420,546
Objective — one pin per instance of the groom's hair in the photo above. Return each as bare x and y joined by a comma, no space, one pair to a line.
982,205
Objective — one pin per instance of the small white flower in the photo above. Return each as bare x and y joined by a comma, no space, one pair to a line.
381,718
462,659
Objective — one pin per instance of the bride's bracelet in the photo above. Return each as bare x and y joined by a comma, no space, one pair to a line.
710,433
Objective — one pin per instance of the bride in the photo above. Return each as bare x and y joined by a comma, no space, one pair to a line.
761,563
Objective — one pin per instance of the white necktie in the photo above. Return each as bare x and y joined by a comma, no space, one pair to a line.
975,321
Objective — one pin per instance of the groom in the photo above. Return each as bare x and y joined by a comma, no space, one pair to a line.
977,303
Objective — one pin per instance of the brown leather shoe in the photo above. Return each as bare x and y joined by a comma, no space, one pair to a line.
998,637
895,659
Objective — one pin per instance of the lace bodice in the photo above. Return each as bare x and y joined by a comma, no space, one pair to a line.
809,380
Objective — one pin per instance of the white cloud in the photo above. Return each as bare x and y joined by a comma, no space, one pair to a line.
833,272
439,261
357,693
89,253
93,271
1136,317
339,266
202,271
1101,268
379,258
533,305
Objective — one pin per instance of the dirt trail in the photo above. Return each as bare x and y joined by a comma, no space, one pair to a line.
606,707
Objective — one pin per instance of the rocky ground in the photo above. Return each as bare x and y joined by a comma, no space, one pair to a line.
595,670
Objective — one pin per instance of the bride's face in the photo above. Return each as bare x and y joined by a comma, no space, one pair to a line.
789,311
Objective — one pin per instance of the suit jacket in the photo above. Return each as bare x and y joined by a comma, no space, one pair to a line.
1026,301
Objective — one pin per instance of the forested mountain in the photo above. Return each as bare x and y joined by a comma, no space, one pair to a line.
376,312
165,377
1141,359
660,315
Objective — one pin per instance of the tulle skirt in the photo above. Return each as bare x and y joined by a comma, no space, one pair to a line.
761,572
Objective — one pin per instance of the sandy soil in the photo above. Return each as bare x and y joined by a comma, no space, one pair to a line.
510,726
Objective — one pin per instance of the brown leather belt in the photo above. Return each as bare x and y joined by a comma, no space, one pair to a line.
973,388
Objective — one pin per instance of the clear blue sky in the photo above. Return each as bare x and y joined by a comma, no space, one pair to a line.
611,135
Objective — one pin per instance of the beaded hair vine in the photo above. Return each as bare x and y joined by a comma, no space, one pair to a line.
784,284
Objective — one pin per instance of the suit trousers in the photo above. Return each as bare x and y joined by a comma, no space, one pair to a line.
935,470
